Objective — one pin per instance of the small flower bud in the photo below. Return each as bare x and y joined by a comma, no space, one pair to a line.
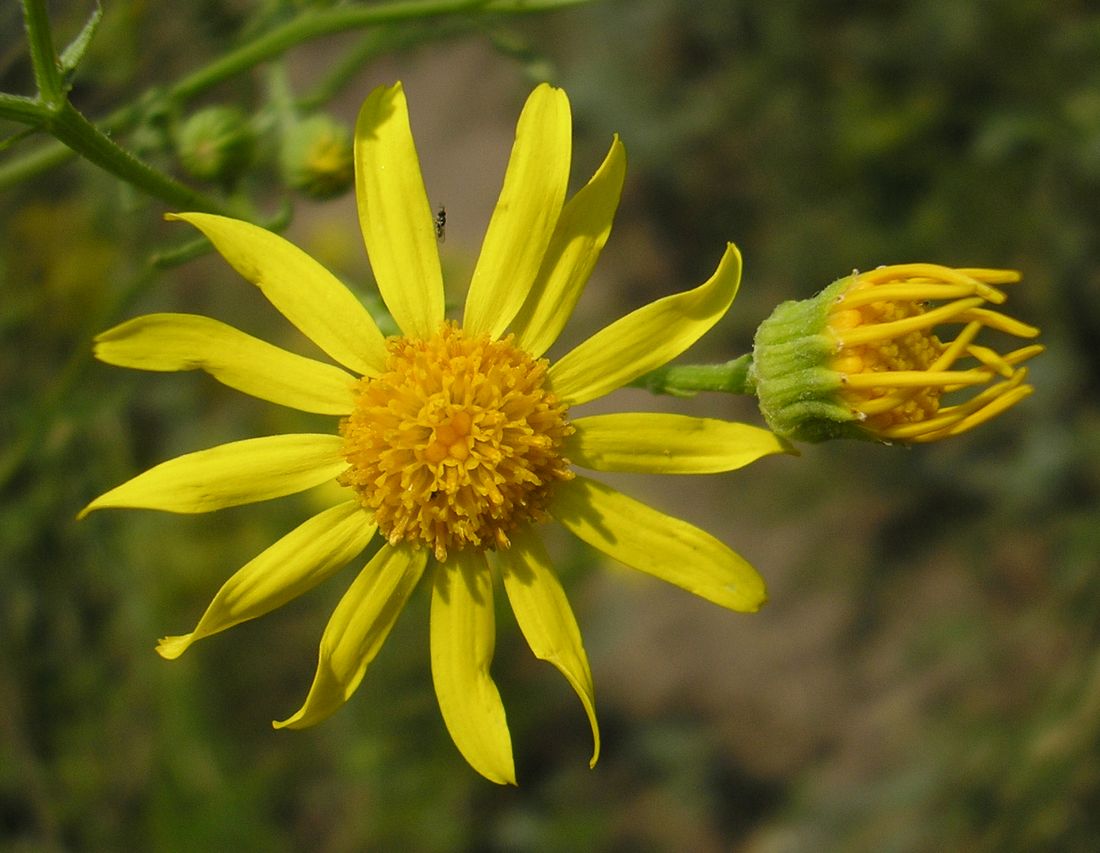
215,143
316,157
861,359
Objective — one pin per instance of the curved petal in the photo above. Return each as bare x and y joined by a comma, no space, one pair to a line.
652,542
660,443
309,554
241,472
463,636
394,214
578,239
306,293
547,620
358,628
647,338
169,342
525,215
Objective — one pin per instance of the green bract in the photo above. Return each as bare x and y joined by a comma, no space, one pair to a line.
797,389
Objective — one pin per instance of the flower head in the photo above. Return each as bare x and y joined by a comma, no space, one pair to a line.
216,143
316,156
868,357
456,440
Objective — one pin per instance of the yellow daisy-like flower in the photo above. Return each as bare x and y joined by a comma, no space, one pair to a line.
455,441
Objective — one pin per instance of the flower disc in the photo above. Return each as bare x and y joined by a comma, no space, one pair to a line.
916,350
456,443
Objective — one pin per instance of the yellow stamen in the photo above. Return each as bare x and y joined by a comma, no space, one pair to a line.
456,443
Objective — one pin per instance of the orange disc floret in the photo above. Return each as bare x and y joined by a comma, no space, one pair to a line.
916,350
456,443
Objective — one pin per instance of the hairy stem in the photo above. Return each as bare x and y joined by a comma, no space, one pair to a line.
686,380
69,126
47,68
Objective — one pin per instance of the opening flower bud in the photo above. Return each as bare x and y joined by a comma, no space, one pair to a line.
317,156
891,355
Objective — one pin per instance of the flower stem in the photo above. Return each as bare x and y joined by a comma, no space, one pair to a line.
47,68
307,25
69,126
686,380
52,111
18,108
66,124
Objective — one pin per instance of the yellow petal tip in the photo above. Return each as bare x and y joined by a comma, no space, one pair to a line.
754,605
298,720
595,751
171,648
502,777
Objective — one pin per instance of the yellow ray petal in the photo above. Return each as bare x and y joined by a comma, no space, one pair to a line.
525,214
357,629
547,620
306,293
240,472
189,342
394,214
650,541
299,561
578,239
668,444
463,635
647,338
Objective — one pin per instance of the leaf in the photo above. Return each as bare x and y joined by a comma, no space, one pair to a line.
71,55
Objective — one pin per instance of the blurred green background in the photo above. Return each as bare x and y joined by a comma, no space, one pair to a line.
927,674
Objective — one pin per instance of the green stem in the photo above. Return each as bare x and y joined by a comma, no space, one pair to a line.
309,24
345,68
69,126
686,380
280,98
47,67
28,111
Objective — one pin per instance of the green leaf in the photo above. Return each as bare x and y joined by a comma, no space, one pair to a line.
71,55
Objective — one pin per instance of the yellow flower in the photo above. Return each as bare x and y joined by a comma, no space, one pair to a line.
863,359
455,442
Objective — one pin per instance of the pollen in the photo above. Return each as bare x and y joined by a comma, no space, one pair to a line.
456,443
895,367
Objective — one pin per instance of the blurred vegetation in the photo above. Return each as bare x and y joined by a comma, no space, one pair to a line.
927,675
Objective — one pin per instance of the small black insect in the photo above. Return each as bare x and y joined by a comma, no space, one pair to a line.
440,222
